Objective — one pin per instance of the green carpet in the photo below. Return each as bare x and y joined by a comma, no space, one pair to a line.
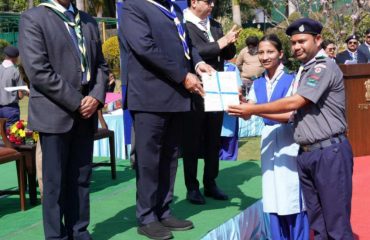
113,203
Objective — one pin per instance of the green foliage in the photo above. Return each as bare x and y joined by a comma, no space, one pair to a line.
111,52
16,5
3,44
244,34
289,61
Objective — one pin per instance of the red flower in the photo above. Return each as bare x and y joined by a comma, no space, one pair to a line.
12,138
20,125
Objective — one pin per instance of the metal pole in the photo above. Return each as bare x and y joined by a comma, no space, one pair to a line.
103,29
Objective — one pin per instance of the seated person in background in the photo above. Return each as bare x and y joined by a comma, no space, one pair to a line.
248,63
111,82
365,47
329,48
10,77
351,55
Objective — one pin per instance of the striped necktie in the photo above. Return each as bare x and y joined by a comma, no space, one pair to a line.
75,23
72,31
203,23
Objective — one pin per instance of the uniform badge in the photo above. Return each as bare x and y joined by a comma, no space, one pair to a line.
317,70
311,82
301,28
313,76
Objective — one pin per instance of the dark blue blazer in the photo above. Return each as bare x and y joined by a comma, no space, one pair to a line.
154,63
343,56
53,66
365,50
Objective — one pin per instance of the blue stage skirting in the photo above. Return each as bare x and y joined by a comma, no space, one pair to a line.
249,128
252,223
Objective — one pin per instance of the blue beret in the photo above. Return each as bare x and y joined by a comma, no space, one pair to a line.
11,51
351,37
304,25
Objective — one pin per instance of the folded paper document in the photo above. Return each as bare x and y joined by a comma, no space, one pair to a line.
17,88
221,90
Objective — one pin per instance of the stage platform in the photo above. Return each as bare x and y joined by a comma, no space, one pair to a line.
113,206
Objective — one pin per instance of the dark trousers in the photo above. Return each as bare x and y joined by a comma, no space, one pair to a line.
157,138
66,172
11,112
326,180
201,138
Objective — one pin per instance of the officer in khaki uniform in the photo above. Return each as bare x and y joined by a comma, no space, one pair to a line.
325,160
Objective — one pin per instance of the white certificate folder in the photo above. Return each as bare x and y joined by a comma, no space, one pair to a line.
221,90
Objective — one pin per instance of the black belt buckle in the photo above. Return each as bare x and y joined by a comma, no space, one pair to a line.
338,138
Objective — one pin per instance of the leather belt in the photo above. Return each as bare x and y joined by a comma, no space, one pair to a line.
323,143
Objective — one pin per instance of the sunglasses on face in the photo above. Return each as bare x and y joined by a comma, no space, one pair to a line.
352,43
207,1
368,36
332,49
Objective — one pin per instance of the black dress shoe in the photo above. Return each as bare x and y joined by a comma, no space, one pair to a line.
195,197
215,193
175,224
155,230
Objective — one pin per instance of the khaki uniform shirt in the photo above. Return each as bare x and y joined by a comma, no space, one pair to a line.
249,65
322,83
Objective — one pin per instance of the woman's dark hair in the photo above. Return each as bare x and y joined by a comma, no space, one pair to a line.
274,40
326,43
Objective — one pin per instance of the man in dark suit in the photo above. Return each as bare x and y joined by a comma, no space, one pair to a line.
202,129
157,60
365,47
351,55
61,52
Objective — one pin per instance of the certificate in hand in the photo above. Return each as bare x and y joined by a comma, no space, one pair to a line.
221,90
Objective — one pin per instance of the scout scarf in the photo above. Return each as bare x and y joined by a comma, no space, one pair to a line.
76,25
172,15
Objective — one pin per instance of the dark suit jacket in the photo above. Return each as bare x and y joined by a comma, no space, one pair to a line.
53,66
343,56
365,50
209,51
153,59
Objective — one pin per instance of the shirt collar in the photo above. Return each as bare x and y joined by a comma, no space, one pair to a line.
278,71
70,8
7,63
351,53
320,53
191,17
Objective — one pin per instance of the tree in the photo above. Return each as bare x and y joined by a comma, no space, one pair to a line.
80,4
17,5
339,19
236,12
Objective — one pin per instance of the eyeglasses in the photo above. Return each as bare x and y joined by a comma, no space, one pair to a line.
209,2
352,43
332,49
368,36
